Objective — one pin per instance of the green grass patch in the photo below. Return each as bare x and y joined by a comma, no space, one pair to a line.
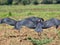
40,42
20,11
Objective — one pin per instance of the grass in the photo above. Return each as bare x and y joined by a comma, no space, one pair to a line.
19,11
40,42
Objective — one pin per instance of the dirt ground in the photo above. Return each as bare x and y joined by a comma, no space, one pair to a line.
10,36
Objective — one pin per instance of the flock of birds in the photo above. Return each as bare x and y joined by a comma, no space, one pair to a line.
32,22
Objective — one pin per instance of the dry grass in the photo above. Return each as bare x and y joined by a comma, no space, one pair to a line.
10,36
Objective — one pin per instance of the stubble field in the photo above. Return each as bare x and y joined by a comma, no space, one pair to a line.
11,36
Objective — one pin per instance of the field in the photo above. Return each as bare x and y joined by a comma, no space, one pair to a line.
11,36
